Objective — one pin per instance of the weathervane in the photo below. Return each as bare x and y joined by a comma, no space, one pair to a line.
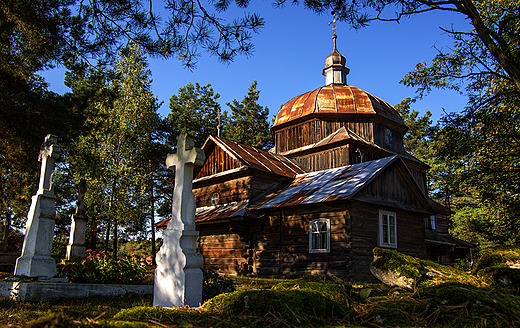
333,22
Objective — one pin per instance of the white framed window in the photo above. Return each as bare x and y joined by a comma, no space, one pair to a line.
387,229
432,222
319,236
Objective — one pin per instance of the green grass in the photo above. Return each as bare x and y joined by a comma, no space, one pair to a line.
304,302
91,308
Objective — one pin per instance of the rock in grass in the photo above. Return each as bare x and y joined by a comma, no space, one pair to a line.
399,270
396,269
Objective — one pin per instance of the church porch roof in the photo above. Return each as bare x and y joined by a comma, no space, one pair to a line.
327,185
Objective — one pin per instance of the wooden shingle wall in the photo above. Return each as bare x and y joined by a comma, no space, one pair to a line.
283,247
217,161
365,236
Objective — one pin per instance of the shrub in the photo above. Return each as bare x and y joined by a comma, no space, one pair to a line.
299,301
407,266
215,284
103,269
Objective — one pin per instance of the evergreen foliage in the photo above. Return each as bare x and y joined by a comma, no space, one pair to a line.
249,122
195,111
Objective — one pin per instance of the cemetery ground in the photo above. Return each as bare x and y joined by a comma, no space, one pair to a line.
440,296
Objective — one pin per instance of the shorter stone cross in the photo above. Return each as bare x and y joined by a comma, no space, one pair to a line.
78,226
178,278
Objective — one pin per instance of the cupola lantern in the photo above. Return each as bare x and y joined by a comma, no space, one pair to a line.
335,71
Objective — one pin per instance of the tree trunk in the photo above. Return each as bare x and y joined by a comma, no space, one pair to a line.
114,240
109,221
152,222
93,234
152,210
7,224
107,234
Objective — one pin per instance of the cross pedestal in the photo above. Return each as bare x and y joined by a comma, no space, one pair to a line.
178,278
36,260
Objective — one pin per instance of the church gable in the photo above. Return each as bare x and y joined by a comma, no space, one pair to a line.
218,160
224,155
395,187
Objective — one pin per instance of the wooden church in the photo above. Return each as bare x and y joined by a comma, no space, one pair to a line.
336,184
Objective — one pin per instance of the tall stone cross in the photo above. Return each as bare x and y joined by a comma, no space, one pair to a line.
36,260
178,278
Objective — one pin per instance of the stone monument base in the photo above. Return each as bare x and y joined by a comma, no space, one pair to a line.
36,266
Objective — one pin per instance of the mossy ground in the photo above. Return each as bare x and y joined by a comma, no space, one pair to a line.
450,299
494,267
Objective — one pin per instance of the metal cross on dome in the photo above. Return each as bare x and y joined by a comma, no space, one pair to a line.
333,22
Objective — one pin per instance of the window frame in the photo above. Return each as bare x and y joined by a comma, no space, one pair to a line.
312,249
388,243
433,222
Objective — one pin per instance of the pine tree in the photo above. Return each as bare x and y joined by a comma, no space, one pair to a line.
194,111
249,122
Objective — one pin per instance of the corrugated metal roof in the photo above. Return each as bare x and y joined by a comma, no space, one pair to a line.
223,211
258,159
327,185
336,99
216,213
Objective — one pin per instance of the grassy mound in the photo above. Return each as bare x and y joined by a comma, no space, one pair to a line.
446,305
292,304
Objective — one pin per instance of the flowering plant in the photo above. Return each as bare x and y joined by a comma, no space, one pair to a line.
14,241
102,268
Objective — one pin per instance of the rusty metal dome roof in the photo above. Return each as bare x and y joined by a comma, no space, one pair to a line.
336,99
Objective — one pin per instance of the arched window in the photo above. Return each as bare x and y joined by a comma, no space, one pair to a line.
319,236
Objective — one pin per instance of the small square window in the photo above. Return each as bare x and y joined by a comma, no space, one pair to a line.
319,236
387,229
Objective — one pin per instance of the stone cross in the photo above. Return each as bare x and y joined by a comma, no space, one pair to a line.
178,278
36,260
78,225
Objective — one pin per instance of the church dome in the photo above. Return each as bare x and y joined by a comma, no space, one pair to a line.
336,99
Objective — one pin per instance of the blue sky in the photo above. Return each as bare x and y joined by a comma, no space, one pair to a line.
290,54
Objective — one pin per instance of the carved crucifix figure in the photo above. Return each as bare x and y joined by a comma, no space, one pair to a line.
36,260
178,278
